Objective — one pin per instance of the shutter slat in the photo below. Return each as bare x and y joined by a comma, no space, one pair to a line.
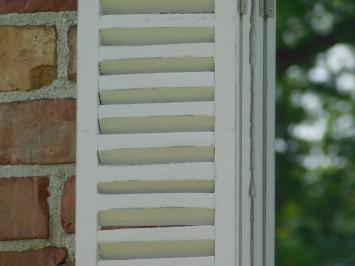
156,6
173,80
154,234
126,141
156,65
191,200
145,187
154,109
156,124
157,21
157,51
153,217
157,95
156,249
197,261
182,171
155,36
156,155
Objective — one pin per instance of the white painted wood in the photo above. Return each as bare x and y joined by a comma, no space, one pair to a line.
244,154
242,115
156,109
257,43
169,80
197,261
107,202
86,185
157,21
135,141
225,131
270,142
156,234
181,171
157,51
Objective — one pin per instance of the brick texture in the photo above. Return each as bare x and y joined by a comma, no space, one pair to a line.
28,57
72,40
27,6
38,132
23,208
68,264
50,256
68,206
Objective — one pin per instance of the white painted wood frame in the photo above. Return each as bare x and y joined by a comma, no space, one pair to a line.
239,216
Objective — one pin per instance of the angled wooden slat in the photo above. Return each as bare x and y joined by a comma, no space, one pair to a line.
135,141
146,156
145,187
156,80
155,234
156,249
157,51
156,21
155,36
182,171
156,6
157,124
157,95
197,261
156,109
107,202
153,217
156,65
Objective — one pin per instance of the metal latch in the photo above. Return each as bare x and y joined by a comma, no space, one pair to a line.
242,6
267,8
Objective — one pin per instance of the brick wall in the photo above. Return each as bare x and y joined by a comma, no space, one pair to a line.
37,132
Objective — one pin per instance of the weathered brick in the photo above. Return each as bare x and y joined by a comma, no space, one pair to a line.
50,256
29,6
68,264
68,206
28,57
72,43
38,132
23,208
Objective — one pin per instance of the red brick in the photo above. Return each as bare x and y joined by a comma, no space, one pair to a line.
30,6
50,256
24,208
38,132
32,62
72,41
68,206
68,264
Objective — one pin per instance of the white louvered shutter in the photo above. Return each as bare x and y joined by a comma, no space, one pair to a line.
175,133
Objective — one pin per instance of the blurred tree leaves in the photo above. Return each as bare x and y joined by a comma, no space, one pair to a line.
315,146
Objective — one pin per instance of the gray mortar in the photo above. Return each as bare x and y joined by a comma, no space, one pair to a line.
60,88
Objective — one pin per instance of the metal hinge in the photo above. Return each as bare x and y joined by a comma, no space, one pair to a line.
267,8
242,7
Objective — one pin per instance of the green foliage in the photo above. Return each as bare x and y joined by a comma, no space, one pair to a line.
315,133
